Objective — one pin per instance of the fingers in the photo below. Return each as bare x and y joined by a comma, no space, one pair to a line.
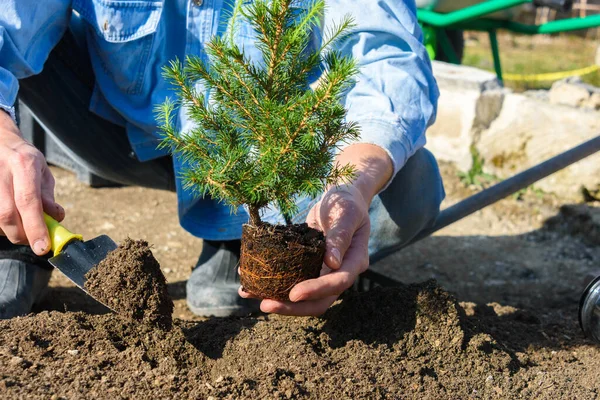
246,295
10,222
314,308
340,236
356,261
27,183
51,207
312,218
331,284
342,215
26,189
339,233
308,308
314,296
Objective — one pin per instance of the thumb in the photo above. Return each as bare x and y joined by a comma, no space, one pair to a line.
341,215
339,238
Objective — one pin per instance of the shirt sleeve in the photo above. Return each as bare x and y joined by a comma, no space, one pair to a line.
395,97
29,29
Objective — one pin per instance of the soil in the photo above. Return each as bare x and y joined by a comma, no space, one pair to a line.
406,342
274,258
577,221
130,282
517,269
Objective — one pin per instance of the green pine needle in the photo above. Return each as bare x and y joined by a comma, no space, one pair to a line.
264,137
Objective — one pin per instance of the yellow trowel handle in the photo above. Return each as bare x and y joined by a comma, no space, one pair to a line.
59,235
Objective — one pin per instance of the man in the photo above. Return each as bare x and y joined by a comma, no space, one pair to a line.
106,56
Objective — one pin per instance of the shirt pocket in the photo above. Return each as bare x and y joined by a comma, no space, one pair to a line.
120,37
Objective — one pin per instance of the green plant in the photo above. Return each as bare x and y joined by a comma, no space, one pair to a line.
265,136
475,176
539,193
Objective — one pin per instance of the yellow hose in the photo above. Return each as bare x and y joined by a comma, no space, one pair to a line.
550,76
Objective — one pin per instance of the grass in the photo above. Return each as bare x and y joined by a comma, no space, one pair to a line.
533,55
476,178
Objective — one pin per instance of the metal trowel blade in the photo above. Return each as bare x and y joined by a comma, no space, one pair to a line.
78,257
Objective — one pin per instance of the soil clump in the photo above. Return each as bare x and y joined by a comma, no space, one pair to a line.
274,258
130,282
412,341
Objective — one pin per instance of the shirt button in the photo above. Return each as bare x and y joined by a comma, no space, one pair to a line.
198,2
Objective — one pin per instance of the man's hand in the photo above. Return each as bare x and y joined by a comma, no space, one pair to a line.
343,216
26,190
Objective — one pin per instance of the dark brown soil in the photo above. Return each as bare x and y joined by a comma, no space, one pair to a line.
274,258
498,255
130,282
405,342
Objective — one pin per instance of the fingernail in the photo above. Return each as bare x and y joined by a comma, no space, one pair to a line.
336,254
39,247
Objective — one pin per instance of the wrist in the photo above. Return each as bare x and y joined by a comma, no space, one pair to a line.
373,168
7,125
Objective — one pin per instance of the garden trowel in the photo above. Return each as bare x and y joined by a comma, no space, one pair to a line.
74,257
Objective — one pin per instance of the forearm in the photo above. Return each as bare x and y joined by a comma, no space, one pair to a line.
394,98
373,167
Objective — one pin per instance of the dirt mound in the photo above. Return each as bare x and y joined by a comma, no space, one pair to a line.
380,344
129,281
406,342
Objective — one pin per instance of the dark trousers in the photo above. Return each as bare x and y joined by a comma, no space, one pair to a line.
59,97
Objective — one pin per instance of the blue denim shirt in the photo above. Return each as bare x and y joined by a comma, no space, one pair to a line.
394,99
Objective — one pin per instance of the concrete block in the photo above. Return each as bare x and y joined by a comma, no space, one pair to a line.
529,131
513,131
470,99
568,94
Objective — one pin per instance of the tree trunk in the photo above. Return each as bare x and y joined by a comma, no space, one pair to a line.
254,216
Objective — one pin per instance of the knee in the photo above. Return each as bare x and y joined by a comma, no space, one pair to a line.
417,187
409,204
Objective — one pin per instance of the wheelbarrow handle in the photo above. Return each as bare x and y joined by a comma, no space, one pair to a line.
558,5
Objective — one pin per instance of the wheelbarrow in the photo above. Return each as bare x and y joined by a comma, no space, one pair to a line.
438,17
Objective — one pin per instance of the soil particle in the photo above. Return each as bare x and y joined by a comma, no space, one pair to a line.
409,342
274,258
130,282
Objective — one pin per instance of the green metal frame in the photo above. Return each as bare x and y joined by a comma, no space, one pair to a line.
473,18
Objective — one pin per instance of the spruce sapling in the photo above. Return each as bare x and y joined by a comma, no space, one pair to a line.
265,137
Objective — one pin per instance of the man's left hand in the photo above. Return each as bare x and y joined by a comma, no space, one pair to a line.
343,216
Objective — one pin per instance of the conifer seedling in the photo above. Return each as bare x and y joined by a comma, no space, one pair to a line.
265,137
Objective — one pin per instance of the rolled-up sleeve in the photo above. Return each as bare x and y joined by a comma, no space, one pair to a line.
395,97
29,29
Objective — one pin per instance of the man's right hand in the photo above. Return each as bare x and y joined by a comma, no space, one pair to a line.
26,190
